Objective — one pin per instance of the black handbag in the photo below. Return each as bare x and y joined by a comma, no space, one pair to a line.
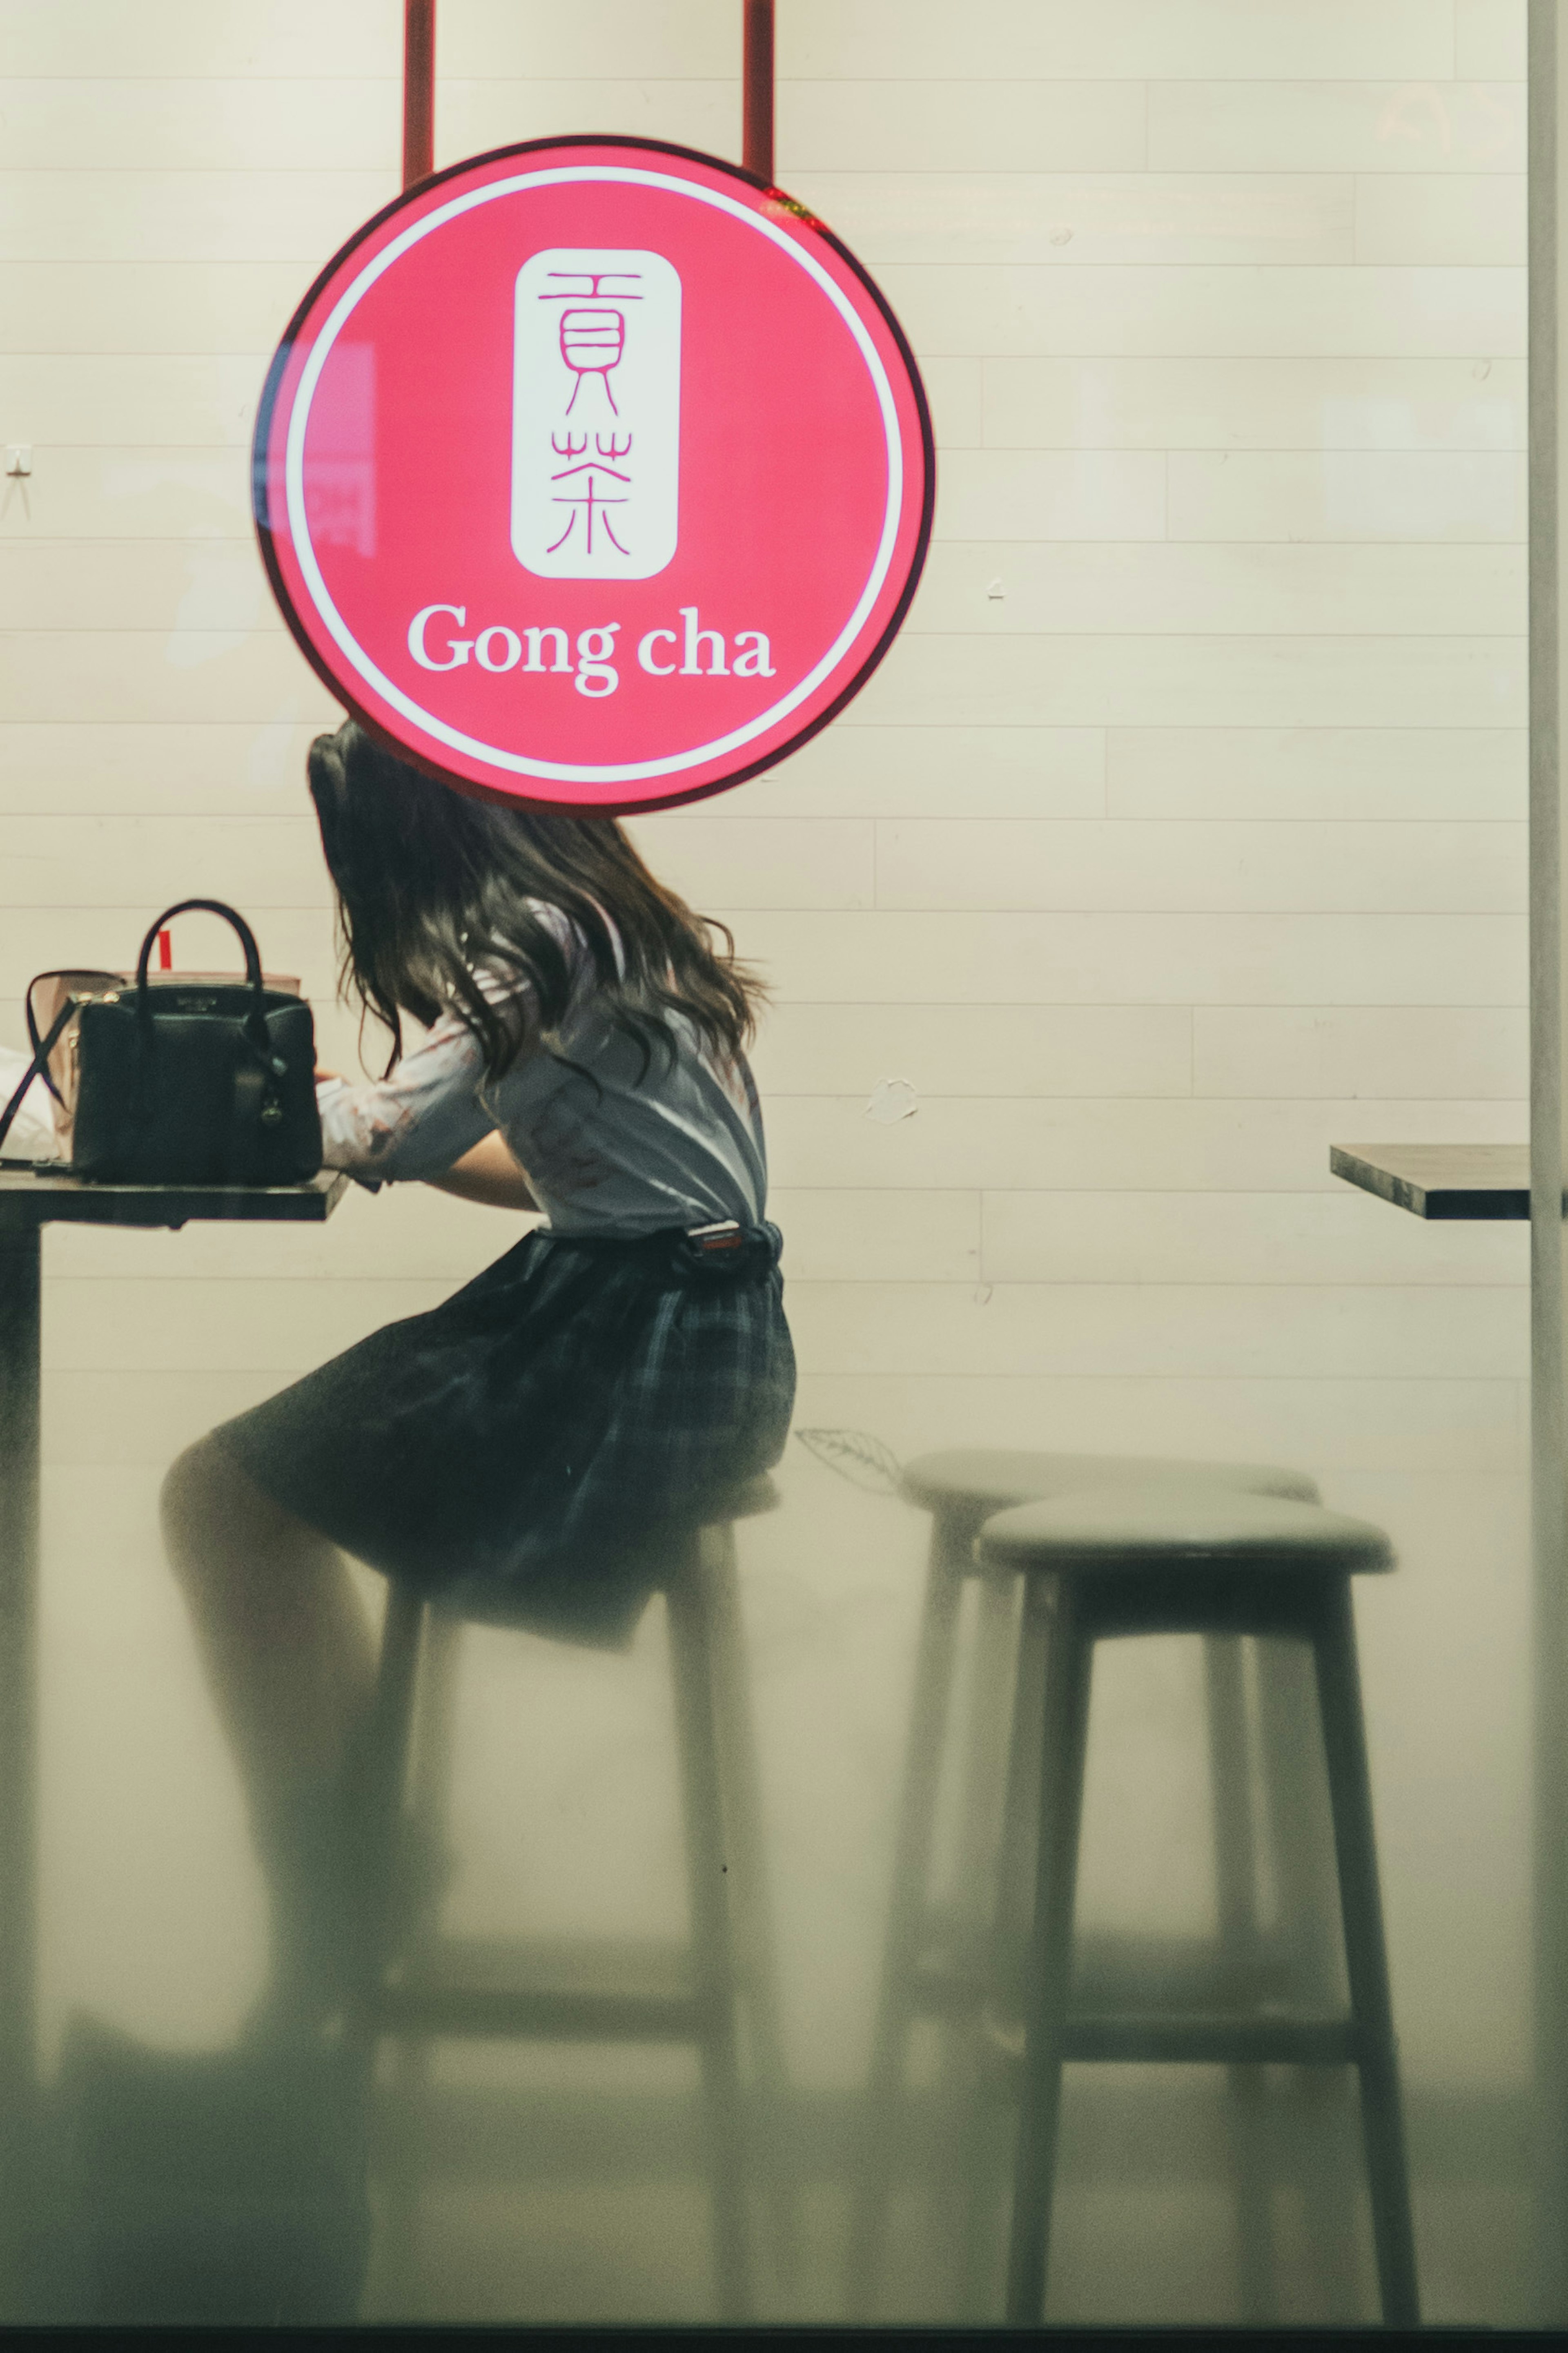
198,1082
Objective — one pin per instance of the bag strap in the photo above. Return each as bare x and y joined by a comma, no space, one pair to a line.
64,972
36,1068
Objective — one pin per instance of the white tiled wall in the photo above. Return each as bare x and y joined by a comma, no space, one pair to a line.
1181,833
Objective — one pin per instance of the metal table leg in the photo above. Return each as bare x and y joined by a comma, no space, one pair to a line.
20,1267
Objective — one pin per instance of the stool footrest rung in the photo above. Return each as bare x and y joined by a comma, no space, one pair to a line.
1215,2039
600,1990
1122,1974
475,2014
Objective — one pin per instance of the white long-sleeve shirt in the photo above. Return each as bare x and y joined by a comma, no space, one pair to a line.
682,1146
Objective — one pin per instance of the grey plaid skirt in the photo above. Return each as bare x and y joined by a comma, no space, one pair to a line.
523,1451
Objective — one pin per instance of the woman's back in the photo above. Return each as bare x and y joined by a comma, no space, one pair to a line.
616,1138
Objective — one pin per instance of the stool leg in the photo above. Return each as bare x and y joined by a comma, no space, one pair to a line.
1303,1935
1367,1960
691,1663
429,1796
984,2167
383,1774
1300,1837
1020,1828
1235,1889
976,1892
748,1883
1050,1984
906,1913
986,1766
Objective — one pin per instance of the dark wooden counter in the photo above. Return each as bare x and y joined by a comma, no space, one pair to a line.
1441,1181
42,1196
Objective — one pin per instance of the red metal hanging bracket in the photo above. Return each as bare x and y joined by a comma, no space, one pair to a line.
418,90
757,100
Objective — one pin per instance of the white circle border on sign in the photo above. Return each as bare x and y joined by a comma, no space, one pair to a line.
517,762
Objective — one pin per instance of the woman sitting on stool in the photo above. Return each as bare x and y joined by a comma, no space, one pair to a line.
523,1451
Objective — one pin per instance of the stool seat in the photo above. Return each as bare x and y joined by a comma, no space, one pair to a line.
1121,1532
987,1479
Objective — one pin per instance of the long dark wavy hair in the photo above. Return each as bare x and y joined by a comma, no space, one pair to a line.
434,888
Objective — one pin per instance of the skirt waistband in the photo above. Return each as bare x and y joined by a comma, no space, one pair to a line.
724,1252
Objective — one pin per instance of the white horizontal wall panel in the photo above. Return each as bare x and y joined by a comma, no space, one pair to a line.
1264,586
1098,1331
746,861
1367,125
1203,682
1479,220
645,40
475,112
1329,1424
1347,494
1058,40
1179,402
137,493
260,122
206,308
130,401
213,674
1488,37
1330,771
105,583
156,215
1052,494
1343,1238
191,39
1308,311
1365,868
1106,1143
885,771
208,1324
1077,221
259,861
95,765
940,1049
894,771
404,1231
870,1237
965,126
1143,959
1380,1050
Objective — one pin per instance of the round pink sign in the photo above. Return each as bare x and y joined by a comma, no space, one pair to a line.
593,472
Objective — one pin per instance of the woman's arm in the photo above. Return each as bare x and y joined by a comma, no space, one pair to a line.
487,1173
414,1125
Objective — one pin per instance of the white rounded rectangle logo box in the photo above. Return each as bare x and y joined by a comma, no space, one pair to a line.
596,453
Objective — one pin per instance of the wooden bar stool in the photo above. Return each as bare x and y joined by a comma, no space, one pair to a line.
715,1991
1172,1560
933,1963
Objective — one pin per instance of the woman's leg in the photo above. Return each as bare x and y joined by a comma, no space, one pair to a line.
277,1620
287,1656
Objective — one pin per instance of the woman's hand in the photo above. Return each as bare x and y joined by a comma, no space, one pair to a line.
327,1074
487,1173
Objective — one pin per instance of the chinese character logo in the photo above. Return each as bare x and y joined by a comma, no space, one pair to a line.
596,415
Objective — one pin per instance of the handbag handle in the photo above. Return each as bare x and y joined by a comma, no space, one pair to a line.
235,921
